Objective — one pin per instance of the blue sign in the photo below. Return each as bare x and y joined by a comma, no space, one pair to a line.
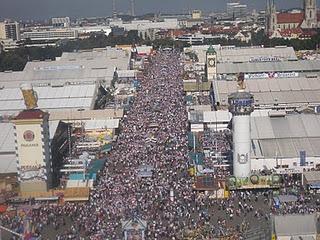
136,83
303,156
243,102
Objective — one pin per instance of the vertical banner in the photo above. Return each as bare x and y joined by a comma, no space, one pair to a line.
303,156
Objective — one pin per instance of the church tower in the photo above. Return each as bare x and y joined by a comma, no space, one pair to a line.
271,23
211,63
310,14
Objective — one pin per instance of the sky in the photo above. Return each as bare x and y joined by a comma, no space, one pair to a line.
45,9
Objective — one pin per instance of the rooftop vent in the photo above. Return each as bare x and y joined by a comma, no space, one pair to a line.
274,114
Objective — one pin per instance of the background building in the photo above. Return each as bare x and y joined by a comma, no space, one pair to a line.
72,90
236,9
278,23
285,142
61,22
33,150
50,34
10,30
196,14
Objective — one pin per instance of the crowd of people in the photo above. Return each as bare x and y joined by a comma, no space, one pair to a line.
204,100
154,133
216,141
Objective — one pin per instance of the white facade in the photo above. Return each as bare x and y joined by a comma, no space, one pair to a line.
241,146
61,22
10,30
235,9
33,153
51,34
142,25
91,29
196,14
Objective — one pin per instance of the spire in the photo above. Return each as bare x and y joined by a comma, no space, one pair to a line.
273,6
211,50
132,8
268,7
114,11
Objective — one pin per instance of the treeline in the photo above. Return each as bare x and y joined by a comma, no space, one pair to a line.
261,39
15,60
100,40
298,44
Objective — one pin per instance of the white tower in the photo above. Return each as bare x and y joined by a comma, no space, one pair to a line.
32,145
114,9
241,106
132,8
310,14
211,64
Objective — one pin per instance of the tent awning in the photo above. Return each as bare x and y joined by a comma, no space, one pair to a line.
196,158
106,148
315,185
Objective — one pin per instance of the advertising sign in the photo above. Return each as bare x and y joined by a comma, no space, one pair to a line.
271,75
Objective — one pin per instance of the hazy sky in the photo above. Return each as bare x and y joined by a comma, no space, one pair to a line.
42,9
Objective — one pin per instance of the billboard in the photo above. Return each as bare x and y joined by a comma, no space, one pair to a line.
271,75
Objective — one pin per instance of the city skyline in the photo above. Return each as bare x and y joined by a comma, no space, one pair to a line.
44,9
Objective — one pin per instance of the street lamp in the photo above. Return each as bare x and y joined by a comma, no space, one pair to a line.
81,110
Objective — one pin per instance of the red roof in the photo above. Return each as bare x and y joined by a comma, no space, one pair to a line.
290,32
290,18
308,33
31,114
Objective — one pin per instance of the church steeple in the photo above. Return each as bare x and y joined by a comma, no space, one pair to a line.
310,13
211,63
271,23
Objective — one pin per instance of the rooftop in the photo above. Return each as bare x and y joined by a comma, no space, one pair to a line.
50,98
293,92
290,18
78,67
244,54
295,225
312,176
285,137
196,87
31,114
266,67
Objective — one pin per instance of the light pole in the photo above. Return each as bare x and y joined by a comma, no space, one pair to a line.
81,123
